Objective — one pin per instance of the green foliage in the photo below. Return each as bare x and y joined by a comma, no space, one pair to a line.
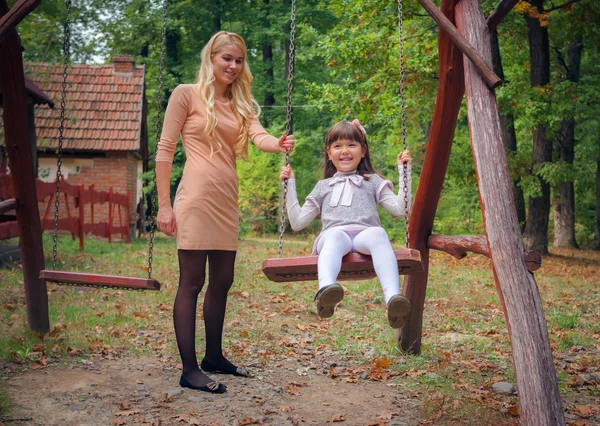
347,66
259,191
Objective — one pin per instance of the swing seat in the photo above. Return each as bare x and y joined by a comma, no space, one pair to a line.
99,280
355,266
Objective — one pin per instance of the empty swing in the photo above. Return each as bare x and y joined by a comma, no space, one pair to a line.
355,266
101,280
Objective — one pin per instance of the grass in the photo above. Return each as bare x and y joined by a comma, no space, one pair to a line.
465,349
5,402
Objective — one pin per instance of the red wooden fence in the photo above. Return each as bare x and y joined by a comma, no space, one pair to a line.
74,222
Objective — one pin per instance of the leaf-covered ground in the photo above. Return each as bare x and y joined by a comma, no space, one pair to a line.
111,358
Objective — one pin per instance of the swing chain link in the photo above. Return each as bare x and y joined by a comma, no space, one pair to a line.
288,125
154,193
61,129
403,119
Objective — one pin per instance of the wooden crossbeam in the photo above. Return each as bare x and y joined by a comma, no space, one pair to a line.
15,15
486,72
459,245
503,8
8,205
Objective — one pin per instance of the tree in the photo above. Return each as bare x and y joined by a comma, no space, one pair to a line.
509,135
564,145
536,228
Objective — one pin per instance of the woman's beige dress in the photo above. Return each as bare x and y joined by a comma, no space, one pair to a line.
206,203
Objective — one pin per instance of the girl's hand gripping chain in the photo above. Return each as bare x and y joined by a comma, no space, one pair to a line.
404,157
286,173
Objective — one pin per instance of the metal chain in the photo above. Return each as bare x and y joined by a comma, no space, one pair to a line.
61,129
288,124
153,195
403,119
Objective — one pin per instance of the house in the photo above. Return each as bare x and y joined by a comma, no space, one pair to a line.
105,138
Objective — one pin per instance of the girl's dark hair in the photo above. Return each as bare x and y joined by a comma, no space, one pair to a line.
347,130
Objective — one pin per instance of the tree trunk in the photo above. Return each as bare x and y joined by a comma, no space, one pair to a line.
216,16
509,136
536,228
597,235
537,382
564,203
267,51
289,61
267,58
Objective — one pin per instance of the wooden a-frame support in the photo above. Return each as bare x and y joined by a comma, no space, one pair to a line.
16,134
464,58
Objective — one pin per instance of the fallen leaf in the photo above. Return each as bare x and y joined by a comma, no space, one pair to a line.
387,415
293,390
513,410
295,420
249,421
584,411
338,418
126,413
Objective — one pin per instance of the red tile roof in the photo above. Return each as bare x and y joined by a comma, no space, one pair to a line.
103,108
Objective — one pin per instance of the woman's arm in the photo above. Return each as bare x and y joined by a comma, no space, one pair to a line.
163,183
175,117
267,143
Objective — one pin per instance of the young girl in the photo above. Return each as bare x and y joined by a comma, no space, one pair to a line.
347,200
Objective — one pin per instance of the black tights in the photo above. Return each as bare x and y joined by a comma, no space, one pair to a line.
192,270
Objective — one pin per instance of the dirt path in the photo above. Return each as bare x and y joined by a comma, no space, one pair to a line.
137,391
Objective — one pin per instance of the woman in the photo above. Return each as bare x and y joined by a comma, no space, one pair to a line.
214,117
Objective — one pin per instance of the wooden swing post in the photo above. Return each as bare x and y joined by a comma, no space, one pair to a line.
16,133
10,18
445,114
539,398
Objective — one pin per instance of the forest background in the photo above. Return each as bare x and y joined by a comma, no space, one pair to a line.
347,66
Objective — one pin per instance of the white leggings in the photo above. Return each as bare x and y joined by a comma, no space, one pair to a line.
335,244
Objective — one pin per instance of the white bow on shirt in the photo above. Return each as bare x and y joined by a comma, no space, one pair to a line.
343,187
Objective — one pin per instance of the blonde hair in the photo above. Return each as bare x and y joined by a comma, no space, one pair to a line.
239,92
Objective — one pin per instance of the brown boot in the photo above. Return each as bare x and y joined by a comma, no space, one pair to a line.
398,308
327,298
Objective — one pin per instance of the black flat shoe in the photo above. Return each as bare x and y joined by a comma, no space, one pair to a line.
208,367
327,298
212,387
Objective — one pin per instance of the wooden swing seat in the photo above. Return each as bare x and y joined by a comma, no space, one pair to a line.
99,280
355,266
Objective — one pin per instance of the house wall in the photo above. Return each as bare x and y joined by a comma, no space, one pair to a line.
116,169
